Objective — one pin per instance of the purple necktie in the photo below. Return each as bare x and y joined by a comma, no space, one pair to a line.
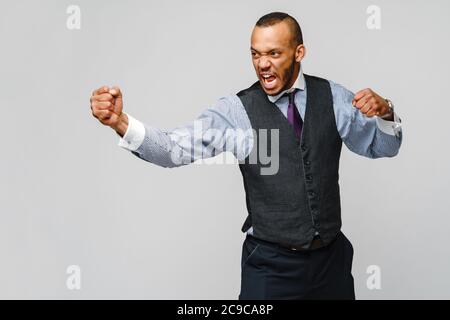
293,116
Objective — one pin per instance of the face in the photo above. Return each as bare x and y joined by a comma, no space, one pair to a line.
275,57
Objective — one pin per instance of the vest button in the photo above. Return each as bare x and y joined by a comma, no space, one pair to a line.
303,147
307,162
309,177
311,193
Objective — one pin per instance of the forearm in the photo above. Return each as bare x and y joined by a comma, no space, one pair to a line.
387,138
174,148
374,137
385,144
158,148
149,144
222,127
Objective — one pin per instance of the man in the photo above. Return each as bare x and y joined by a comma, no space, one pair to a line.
294,248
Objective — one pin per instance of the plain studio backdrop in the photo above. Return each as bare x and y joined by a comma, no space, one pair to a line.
71,196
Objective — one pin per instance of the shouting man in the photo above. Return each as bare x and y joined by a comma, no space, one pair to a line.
294,247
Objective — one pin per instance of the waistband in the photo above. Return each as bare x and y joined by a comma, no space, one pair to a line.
316,243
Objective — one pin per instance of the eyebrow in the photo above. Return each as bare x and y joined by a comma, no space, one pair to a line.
274,49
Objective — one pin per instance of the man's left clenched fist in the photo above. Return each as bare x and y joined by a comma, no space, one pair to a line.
370,103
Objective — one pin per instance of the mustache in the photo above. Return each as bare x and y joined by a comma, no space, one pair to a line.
287,74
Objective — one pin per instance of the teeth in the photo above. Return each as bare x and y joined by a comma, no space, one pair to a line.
266,76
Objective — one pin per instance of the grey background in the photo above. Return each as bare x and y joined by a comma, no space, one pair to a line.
70,195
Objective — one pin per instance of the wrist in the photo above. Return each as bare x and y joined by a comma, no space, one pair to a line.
122,125
390,114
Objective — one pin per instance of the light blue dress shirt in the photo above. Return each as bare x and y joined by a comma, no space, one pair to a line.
370,137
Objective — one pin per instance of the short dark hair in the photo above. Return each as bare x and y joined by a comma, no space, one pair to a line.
275,17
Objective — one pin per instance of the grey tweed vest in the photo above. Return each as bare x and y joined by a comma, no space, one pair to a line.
302,197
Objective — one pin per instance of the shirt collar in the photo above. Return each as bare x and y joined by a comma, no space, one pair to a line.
298,84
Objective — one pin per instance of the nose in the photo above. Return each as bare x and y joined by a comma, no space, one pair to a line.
264,63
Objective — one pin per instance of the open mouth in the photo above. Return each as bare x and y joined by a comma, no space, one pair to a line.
269,80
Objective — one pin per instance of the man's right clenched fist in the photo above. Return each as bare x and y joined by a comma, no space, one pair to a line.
107,105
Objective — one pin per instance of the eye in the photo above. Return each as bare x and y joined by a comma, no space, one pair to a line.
274,54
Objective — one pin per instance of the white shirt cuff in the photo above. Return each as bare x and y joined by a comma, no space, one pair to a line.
134,136
390,127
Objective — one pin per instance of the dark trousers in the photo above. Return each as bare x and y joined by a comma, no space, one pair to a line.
269,271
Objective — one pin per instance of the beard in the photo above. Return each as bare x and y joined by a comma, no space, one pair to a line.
288,74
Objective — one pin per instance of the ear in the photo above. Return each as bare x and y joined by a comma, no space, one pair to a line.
300,52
